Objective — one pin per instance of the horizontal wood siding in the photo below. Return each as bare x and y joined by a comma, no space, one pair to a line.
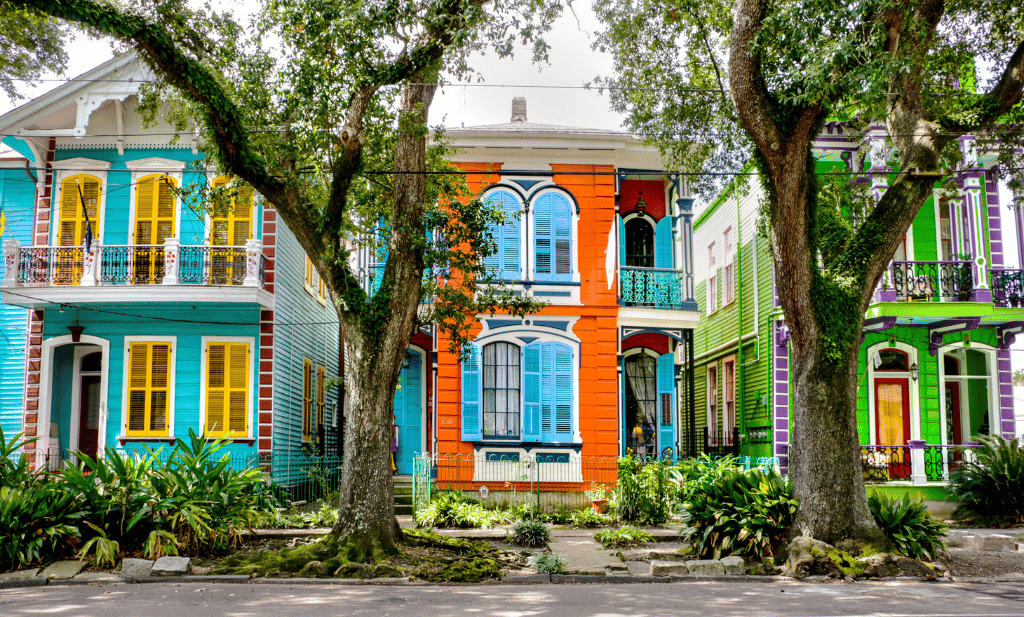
17,202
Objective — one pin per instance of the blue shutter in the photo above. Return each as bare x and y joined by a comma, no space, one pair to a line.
663,257
542,238
471,395
622,241
510,268
666,404
561,222
563,392
411,434
622,404
531,392
547,391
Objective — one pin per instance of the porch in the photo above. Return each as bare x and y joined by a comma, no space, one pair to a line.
916,462
657,288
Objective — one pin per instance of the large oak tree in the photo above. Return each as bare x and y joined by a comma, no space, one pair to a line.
720,83
321,106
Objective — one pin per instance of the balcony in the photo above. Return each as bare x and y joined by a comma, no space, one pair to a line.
916,462
37,276
1007,287
929,281
658,288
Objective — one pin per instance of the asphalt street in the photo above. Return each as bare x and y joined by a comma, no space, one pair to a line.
603,600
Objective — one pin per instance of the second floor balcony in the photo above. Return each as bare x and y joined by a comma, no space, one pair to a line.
929,281
55,274
658,288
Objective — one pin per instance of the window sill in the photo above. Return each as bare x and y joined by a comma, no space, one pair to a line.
527,445
533,282
135,439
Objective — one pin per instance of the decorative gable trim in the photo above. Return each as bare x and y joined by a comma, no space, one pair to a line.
79,164
155,164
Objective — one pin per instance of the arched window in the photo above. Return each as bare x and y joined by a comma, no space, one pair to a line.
552,238
893,360
639,243
79,197
501,390
231,224
155,215
504,263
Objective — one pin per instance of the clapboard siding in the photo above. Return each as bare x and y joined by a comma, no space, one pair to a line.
17,200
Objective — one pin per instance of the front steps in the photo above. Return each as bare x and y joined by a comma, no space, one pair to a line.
403,495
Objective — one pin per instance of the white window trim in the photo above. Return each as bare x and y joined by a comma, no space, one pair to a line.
711,281
171,377
253,376
915,404
729,261
315,293
991,364
712,397
46,391
725,362
74,167
142,168
542,335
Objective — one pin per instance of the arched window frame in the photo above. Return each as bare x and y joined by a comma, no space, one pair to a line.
74,167
143,168
991,364
494,191
650,222
214,180
913,388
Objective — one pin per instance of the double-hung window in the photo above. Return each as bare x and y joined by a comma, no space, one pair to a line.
518,393
728,282
307,400
227,388
712,418
552,238
504,263
712,290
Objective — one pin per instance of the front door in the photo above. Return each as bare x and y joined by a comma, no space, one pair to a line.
408,412
892,423
89,415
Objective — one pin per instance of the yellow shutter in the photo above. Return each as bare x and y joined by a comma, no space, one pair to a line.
72,218
321,397
307,399
154,223
234,227
227,388
149,368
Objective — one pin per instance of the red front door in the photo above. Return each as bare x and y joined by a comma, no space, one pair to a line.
892,423
89,415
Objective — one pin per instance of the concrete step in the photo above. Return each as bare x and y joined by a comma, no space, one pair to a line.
403,509
403,490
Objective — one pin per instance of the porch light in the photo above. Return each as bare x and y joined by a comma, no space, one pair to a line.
76,333
892,340
914,371
641,205
967,339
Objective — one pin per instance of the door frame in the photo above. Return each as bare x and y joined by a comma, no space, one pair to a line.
994,410
904,383
76,392
913,387
46,392
424,355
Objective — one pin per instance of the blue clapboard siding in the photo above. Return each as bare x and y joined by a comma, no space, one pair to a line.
304,328
191,322
17,202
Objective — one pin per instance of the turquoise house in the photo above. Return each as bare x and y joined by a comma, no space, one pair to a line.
131,316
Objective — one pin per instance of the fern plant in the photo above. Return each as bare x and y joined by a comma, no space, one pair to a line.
908,526
529,533
990,488
623,537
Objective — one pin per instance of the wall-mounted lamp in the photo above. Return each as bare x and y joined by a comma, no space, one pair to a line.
967,339
892,340
76,333
914,371
641,205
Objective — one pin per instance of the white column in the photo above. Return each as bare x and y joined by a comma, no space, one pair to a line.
253,250
917,471
12,250
172,252
90,265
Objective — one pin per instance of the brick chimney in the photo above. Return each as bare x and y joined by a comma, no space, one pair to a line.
519,109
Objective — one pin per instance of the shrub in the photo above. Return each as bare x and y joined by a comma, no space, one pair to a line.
546,563
644,494
908,526
559,515
453,509
325,516
39,522
15,469
691,475
991,488
740,513
529,533
589,518
623,537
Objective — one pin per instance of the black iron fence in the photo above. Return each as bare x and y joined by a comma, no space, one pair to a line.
933,280
714,443
1007,287
885,463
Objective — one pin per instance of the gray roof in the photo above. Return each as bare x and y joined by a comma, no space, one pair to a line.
533,127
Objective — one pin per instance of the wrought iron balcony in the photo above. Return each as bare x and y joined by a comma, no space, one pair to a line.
131,265
660,288
935,281
1007,287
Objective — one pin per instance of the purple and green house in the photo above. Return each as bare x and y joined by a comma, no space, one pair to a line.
132,318
934,369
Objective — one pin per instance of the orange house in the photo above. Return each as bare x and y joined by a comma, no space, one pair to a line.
600,232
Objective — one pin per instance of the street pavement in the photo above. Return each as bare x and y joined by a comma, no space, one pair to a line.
632,600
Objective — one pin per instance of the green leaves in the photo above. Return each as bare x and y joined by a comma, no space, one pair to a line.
990,488
909,526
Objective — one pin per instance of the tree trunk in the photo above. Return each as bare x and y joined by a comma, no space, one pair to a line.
824,459
377,342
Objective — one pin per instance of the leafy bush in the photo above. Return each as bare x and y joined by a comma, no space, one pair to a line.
546,563
589,518
740,513
644,494
623,537
559,515
691,475
529,533
454,509
325,516
40,523
991,488
908,526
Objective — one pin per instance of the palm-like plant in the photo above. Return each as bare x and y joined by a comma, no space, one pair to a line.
990,488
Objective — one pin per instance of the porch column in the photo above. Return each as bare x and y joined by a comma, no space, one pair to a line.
90,265
172,251
878,155
917,471
979,252
253,249
1018,216
12,249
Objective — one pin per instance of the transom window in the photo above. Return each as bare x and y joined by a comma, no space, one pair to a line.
501,386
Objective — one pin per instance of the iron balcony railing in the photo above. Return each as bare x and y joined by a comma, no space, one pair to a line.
946,281
1007,287
134,264
660,288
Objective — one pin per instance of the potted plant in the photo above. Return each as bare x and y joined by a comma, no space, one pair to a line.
598,496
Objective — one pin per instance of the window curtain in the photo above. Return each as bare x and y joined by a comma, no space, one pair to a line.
642,379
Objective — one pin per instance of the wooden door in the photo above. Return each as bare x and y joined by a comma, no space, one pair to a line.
89,415
892,423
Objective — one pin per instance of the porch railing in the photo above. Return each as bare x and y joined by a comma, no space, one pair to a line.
1007,287
935,281
134,264
915,462
660,288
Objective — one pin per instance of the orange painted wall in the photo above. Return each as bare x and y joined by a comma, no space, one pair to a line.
597,406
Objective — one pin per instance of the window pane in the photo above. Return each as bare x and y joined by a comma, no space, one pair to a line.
501,390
